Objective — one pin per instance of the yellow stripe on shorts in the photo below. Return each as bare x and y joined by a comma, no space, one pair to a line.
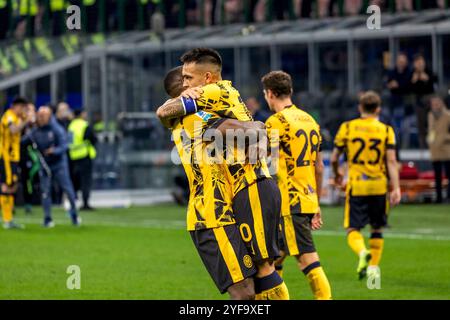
258,221
347,211
228,254
289,233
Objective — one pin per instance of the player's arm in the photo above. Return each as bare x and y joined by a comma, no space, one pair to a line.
180,106
16,128
319,173
250,128
339,145
392,166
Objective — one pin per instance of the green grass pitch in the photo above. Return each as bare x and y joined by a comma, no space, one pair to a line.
145,253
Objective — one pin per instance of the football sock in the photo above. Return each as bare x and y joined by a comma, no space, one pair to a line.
376,243
318,281
271,287
356,242
7,202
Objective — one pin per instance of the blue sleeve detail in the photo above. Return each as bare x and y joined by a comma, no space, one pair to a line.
190,106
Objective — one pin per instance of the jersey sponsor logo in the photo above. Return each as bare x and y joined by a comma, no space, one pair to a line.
205,116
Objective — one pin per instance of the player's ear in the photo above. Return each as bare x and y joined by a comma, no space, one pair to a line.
208,77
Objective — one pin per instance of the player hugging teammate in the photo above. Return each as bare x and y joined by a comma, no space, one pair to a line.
243,221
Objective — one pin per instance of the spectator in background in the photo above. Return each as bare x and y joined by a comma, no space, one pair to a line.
82,153
398,82
63,114
254,107
404,5
281,9
439,143
422,85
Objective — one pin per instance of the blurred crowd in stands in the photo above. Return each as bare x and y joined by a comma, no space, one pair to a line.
21,18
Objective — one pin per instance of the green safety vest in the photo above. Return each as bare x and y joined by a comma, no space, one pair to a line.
3,4
88,3
28,7
80,148
57,5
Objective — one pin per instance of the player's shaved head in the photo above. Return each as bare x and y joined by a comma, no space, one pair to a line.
201,66
203,56
370,101
173,82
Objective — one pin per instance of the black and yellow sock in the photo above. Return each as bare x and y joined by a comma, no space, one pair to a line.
355,241
279,269
7,202
376,243
271,287
318,281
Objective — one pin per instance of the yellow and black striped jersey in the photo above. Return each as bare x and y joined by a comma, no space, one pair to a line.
297,137
365,141
210,200
10,142
224,100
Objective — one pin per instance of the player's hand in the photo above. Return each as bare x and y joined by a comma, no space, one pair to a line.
49,151
193,93
316,222
395,196
5,188
339,180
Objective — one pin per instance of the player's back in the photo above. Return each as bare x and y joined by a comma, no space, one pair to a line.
210,191
299,143
366,141
223,99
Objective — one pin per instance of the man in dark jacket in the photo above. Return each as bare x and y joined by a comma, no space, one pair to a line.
49,139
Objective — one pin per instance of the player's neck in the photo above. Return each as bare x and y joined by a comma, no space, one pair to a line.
280,105
365,115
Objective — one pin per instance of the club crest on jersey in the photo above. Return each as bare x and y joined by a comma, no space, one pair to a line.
248,261
205,116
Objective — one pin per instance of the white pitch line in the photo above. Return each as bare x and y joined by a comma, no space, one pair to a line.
181,224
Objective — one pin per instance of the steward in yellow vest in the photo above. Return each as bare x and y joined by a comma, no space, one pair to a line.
82,152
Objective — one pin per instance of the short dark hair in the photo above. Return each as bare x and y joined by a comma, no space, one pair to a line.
19,100
77,112
279,82
172,83
418,57
370,101
202,55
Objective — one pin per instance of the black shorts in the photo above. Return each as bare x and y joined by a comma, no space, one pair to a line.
224,255
9,172
257,210
296,234
363,210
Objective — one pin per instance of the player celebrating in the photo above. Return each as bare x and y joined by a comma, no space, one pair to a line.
210,218
299,173
256,198
12,124
370,148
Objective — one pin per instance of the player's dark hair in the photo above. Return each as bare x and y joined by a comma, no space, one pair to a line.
19,100
173,83
279,82
202,55
370,101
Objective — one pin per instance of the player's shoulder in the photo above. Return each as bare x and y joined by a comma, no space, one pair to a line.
276,119
8,117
